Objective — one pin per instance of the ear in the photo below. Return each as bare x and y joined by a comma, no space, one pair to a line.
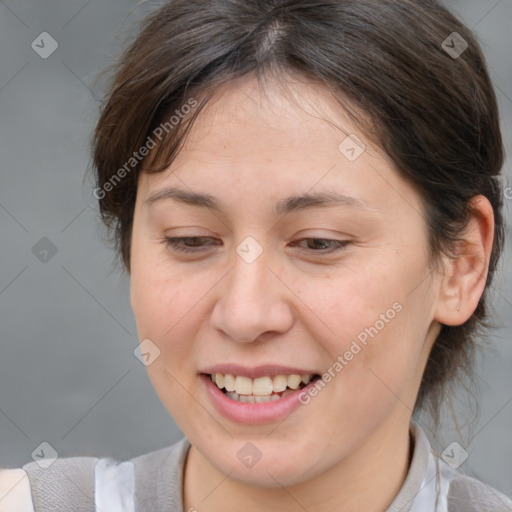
465,272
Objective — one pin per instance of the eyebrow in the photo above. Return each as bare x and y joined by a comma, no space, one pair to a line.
282,207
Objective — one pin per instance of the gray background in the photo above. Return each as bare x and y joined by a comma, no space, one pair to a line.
68,375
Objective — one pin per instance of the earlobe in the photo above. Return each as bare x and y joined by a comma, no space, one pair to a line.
466,271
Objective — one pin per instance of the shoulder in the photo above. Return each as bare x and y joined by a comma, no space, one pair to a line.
159,477
174,453
15,491
434,485
64,481
471,495
152,480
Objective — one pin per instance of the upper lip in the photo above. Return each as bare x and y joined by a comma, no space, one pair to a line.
256,371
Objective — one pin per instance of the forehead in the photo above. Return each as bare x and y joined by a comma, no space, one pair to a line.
276,115
279,141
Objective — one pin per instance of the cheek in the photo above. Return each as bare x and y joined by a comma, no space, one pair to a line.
156,293
373,326
165,305
160,303
349,301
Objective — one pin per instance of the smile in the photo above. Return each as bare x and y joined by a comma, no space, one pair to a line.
262,389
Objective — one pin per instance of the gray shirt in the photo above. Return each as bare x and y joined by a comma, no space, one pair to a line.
153,483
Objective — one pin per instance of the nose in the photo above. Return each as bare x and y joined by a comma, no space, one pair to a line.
252,301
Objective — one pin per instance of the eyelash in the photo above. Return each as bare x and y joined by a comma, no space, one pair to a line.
174,244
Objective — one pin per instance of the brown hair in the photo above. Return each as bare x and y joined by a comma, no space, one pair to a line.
435,114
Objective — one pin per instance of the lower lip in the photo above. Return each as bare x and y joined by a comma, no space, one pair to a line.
253,414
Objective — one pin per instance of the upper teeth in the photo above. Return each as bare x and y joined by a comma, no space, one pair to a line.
261,386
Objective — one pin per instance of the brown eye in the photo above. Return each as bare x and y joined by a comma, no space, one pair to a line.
322,245
189,244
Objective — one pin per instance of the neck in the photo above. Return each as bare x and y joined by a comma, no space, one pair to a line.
368,479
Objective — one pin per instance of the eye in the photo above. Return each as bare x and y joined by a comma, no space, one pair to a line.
196,244
322,245
193,243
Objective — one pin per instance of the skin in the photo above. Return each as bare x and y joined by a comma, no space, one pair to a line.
348,448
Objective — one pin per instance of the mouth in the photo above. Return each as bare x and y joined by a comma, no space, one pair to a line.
267,388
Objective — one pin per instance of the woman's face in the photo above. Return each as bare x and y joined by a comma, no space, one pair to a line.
275,285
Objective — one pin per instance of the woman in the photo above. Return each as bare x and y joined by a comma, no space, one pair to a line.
306,197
